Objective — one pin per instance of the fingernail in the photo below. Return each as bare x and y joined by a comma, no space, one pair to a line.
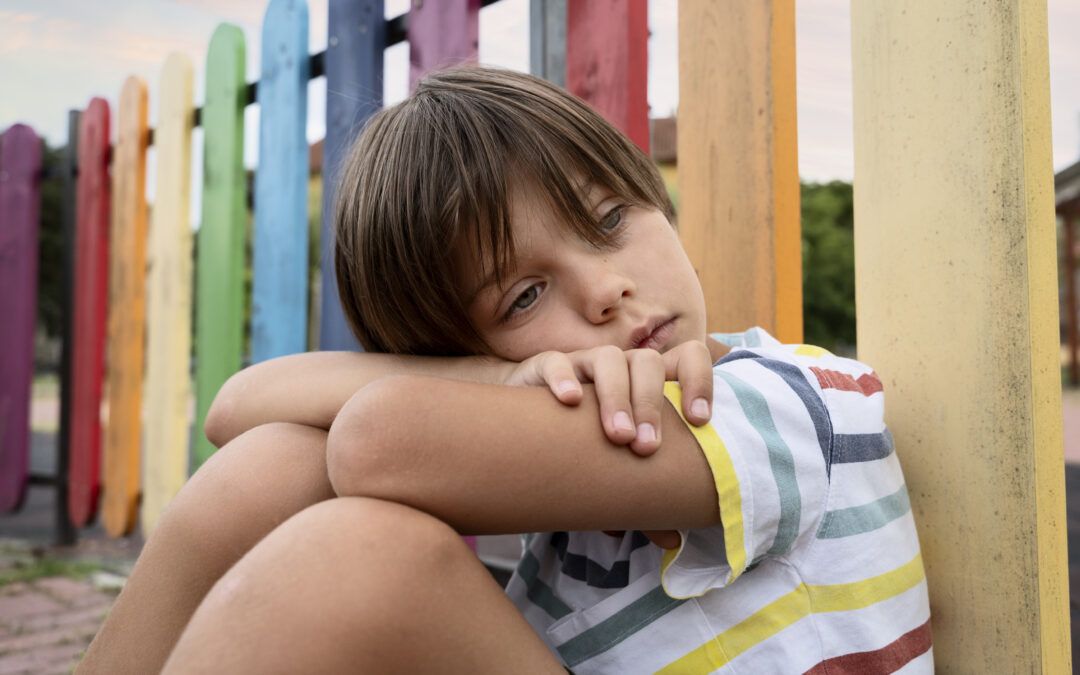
566,386
700,408
646,433
622,421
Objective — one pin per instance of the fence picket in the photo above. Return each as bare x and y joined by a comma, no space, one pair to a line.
168,359
90,295
219,318
738,163
354,91
20,203
607,62
280,265
127,312
442,34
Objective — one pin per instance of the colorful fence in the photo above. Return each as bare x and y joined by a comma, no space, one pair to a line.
961,333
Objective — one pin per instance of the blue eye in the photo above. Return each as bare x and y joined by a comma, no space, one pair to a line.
523,302
527,298
613,219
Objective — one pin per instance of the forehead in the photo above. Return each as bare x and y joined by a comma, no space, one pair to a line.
536,228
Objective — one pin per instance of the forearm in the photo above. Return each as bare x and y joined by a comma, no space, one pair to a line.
311,388
491,460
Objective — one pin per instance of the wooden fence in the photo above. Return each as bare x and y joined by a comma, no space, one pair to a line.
956,270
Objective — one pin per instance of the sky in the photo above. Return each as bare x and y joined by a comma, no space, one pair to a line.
57,54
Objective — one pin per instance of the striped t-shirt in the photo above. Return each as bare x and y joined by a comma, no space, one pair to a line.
815,567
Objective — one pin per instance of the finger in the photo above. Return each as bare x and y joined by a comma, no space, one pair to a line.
606,367
664,538
558,373
693,369
646,398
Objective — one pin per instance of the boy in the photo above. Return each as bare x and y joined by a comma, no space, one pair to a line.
492,214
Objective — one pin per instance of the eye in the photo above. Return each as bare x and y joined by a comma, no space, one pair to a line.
613,219
523,301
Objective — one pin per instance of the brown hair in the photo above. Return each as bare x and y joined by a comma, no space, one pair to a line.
434,173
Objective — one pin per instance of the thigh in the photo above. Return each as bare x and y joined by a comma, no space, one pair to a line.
357,584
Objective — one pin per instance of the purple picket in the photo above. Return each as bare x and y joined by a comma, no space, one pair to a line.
20,202
442,34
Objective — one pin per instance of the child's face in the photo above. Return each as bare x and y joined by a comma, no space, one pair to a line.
564,295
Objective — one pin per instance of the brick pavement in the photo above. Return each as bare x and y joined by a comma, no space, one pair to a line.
46,624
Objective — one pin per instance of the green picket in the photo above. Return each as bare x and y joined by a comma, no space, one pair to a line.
219,317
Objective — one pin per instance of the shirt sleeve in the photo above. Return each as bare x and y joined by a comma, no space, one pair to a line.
768,446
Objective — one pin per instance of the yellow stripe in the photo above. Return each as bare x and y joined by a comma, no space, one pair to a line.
811,350
727,489
786,610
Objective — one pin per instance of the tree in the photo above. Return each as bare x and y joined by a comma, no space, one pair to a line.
828,258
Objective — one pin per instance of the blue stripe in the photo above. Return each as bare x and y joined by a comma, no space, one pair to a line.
815,407
782,464
594,574
537,591
848,448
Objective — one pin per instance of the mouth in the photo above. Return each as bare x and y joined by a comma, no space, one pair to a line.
653,335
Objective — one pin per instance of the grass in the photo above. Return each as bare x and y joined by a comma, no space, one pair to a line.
38,568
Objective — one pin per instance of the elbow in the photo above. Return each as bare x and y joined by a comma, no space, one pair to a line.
218,426
223,421
367,443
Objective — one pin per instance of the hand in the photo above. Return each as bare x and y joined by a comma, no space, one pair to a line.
629,386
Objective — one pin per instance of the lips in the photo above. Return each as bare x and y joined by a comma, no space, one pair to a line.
653,335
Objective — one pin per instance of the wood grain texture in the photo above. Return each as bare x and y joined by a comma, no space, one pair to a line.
442,34
127,312
547,40
90,296
169,288
738,163
280,265
356,39
956,288
219,309
607,62
20,206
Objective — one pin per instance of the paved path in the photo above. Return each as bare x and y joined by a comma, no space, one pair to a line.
46,624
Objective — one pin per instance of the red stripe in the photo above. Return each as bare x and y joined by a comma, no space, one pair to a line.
867,384
888,659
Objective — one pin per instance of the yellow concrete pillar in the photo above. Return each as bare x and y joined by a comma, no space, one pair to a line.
957,310
738,162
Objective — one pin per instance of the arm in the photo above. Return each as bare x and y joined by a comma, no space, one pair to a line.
492,459
311,388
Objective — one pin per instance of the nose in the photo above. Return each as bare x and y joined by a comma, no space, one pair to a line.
604,291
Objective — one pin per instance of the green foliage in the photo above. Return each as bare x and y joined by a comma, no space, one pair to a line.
51,244
828,259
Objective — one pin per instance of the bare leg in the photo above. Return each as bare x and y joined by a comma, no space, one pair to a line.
250,486
360,585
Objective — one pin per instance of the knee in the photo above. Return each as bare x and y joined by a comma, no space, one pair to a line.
392,543
232,496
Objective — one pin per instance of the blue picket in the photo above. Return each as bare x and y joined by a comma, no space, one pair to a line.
280,266
354,84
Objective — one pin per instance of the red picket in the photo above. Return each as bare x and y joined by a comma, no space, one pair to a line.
91,299
607,54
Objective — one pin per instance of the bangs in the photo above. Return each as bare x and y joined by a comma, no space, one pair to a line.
426,193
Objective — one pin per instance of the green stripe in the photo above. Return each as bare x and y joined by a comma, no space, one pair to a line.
616,628
859,519
780,461
537,591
